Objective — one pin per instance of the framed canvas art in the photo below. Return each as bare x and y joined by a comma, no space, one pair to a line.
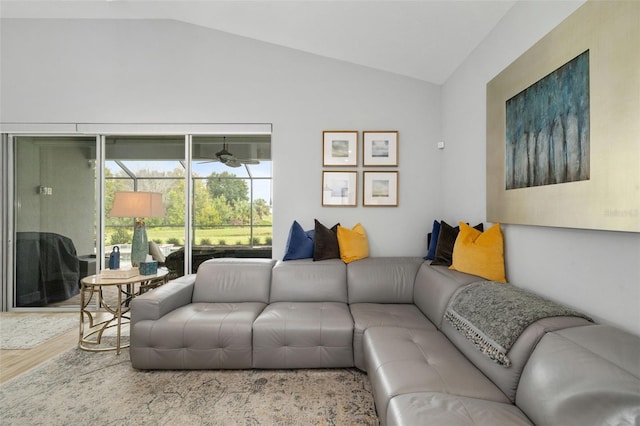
339,188
380,189
562,129
340,148
380,148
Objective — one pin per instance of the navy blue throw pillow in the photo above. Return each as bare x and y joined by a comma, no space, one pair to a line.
299,244
433,242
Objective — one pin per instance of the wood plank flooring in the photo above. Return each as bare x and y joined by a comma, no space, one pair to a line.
16,361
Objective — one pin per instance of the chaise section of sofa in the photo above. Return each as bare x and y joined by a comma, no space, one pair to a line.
441,365
203,321
579,376
401,361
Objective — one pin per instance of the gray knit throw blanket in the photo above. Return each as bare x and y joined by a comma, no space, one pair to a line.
493,315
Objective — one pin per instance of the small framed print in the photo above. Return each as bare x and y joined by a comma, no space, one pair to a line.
339,188
340,148
380,148
380,189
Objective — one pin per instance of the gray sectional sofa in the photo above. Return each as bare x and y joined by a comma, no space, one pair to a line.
386,316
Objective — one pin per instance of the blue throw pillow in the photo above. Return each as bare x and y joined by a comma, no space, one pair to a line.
433,243
299,244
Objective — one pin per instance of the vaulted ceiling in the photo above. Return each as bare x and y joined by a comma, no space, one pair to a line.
423,39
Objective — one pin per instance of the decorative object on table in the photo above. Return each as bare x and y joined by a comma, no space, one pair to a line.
114,258
340,148
119,273
575,162
339,188
380,148
148,268
380,189
138,205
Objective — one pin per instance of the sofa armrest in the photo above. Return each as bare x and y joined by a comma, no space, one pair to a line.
155,304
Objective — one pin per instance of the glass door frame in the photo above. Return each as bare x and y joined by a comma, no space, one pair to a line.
8,134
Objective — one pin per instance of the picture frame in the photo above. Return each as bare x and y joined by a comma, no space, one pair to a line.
380,148
339,188
340,148
609,198
380,189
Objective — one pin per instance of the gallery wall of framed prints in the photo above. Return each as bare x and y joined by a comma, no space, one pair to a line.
340,148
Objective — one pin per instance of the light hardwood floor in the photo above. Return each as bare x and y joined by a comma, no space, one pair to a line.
16,361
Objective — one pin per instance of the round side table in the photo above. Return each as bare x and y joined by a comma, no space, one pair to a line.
93,322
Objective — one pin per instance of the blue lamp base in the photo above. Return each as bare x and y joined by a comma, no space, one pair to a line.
139,245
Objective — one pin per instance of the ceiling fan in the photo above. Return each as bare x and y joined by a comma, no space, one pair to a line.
228,159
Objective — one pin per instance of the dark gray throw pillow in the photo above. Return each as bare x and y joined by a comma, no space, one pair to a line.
325,242
446,241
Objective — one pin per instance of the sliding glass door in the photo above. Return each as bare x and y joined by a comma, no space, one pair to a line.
145,164
231,181
63,189
55,205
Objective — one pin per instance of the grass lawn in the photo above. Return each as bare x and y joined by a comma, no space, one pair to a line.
227,235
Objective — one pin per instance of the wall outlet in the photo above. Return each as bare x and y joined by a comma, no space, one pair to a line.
440,145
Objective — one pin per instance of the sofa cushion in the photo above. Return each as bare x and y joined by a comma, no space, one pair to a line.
402,360
325,242
382,279
303,335
353,243
480,253
507,378
299,243
422,408
583,376
233,280
305,280
196,336
433,288
367,315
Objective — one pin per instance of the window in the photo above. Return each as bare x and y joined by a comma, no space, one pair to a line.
64,185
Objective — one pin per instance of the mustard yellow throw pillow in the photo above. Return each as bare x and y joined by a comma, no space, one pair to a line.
480,253
353,243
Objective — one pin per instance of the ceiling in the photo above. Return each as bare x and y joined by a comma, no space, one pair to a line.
422,39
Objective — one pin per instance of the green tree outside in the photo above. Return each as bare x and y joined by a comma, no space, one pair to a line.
221,203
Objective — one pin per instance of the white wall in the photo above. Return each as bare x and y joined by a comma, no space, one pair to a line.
596,271
156,71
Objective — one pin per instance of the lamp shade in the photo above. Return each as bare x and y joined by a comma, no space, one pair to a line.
137,204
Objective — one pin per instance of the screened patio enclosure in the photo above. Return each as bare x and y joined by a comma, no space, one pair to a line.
216,191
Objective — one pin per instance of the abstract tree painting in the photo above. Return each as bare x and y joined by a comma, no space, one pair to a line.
547,129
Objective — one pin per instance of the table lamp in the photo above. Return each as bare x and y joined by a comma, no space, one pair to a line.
138,205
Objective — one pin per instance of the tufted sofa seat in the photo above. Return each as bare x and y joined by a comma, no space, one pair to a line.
202,321
307,323
385,316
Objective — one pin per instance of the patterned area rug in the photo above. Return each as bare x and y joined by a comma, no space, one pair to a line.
24,332
81,387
